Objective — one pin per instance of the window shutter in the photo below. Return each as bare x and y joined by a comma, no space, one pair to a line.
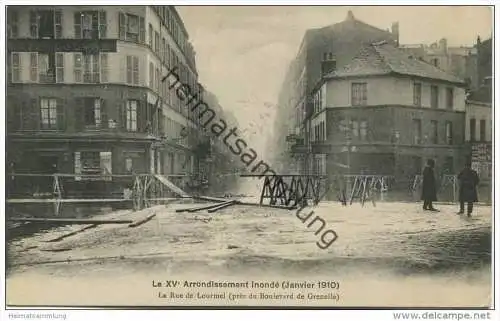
34,24
34,113
77,67
58,23
79,120
135,70
122,107
141,115
78,25
61,119
59,67
142,30
129,70
102,25
122,25
33,66
104,114
104,67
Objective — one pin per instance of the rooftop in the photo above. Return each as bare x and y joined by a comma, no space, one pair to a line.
383,58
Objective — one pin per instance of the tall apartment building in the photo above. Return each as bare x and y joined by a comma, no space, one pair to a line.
85,92
322,50
386,113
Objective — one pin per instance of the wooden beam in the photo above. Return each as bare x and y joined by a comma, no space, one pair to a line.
68,220
211,199
223,205
144,220
68,200
196,209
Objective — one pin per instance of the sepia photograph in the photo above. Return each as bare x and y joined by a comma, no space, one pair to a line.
270,156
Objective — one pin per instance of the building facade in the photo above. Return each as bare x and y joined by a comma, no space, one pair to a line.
85,92
321,50
385,114
479,121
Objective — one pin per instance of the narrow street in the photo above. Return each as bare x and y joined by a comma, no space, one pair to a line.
420,255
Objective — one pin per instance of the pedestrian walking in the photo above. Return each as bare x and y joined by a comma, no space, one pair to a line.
468,181
429,186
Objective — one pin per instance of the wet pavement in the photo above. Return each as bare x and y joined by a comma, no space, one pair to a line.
423,257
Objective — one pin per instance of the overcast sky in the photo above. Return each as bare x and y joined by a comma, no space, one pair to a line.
242,53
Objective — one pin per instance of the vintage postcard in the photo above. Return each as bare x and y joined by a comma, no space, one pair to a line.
265,156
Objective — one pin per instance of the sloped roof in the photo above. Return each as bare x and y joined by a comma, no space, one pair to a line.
383,59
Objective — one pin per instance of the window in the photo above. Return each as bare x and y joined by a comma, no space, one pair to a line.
355,128
131,28
77,67
91,70
151,75
92,113
131,115
90,25
13,23
16,67
482,130
344,128
358,94
363,130
34,66
59,67
87,68
449,133
449,98
48,112
132,70
434,132
150,34
417,94
46,24
93,163
157,79
472,129
157,43
434,97
417,131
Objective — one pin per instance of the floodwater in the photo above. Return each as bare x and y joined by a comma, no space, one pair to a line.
389,255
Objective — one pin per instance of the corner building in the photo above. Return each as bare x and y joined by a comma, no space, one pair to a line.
85,94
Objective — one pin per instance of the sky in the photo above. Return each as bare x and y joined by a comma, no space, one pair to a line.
243,52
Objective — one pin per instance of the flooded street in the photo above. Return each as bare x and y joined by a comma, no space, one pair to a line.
393,254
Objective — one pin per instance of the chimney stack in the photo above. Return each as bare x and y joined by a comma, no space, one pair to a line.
350,16
395,32
328,66
443,45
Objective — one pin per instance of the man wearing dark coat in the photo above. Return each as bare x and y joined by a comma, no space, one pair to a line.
468,181
429,186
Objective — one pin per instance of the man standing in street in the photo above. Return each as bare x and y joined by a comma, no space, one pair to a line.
429,186
468,181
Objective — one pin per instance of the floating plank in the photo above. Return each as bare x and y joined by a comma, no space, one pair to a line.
171,185
62,237
144,220
67,200
267,205
221,206
68,220
196,209
211,199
